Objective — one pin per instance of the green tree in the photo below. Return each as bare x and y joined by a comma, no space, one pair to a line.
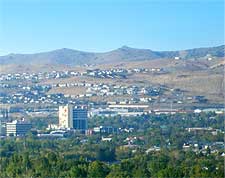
97,169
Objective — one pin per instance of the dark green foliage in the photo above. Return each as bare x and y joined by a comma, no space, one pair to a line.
71,157
106,154
165,163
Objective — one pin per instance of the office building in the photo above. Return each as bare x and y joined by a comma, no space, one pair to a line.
106,129
17,128
66,116
80,118
73,117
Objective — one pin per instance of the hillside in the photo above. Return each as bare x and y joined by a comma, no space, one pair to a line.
124,54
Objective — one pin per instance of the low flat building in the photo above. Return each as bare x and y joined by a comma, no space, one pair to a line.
17,128
106,129
125,106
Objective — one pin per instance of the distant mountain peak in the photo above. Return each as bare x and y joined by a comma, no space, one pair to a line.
125,46
64,49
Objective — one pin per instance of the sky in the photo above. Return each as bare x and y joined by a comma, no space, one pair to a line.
30,26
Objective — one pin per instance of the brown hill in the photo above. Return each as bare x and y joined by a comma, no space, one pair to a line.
124,54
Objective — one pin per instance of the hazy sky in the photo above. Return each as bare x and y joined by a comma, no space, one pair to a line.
28,26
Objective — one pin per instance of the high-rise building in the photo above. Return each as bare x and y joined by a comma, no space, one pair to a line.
66,116
73,117
17,128
80,118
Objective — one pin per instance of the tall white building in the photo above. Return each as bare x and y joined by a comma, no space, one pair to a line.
66,116
73,117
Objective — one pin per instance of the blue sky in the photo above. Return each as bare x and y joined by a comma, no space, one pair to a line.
28,26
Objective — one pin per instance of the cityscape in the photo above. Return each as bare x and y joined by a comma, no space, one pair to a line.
112,89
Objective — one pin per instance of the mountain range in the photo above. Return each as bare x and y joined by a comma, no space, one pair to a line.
72,57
